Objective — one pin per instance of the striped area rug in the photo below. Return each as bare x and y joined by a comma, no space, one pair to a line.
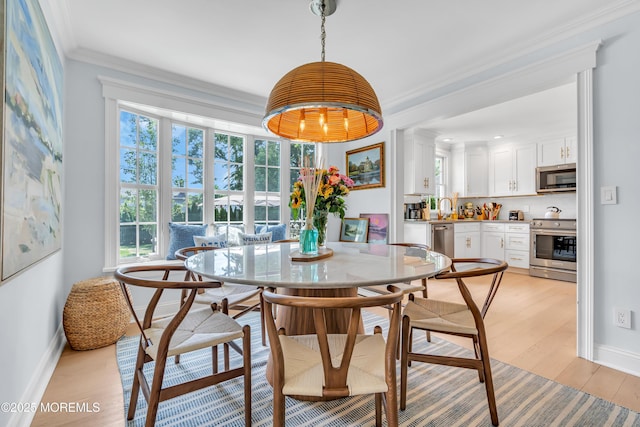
437,395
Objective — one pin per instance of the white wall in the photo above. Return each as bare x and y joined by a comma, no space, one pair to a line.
30,312
373,200
617,155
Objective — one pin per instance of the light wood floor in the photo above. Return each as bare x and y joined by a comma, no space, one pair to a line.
531,325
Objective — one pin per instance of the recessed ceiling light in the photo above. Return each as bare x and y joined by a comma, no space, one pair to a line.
447,139
498,136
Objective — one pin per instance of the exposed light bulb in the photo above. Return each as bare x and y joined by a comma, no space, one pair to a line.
323,116
345,119
325,128
302,120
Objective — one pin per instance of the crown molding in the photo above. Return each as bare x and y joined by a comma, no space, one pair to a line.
236,99
609,13
540,75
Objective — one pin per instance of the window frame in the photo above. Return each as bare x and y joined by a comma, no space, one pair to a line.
113,107
444,155
138,187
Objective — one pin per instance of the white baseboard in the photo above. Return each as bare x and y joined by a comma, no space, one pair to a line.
618,359
40,379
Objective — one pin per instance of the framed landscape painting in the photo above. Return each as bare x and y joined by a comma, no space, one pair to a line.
365,166
354,230
31,139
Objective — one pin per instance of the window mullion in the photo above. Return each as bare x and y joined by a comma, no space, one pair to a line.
208,178
285,173
164,184
249,186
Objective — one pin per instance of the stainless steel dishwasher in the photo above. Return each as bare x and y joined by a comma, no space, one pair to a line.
442,239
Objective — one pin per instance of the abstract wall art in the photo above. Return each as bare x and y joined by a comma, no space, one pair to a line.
31,139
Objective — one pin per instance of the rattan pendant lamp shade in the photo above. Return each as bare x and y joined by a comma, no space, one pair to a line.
323,102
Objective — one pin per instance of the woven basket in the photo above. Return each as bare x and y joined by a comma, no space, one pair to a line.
95,314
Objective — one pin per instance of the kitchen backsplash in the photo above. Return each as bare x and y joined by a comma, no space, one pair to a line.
537,205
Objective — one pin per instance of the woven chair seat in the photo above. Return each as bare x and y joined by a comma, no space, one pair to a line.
440,316
303,374
200,328
234,294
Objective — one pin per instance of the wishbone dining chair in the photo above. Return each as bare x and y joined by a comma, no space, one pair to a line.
186,331
226,297
454,318
329,366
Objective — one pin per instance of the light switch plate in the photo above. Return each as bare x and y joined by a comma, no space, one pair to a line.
608,195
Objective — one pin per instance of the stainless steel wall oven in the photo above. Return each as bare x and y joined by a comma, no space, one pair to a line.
554,249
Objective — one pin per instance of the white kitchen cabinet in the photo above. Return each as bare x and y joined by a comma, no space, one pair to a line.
468,170
558,151
417,232
517,244
512,170
466,240
419,162
493,240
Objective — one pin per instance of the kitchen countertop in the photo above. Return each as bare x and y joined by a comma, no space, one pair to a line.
446,221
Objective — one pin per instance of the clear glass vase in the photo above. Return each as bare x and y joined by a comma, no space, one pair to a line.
309,239
320,220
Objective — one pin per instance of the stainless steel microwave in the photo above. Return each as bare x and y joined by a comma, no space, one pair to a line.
554,179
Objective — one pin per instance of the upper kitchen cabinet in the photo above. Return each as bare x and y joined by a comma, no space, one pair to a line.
419,161
512,170
469,169
558,151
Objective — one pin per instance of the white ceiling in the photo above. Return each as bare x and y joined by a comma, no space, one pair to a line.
403,47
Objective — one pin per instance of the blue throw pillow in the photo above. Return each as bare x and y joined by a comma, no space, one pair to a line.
181,236
278,232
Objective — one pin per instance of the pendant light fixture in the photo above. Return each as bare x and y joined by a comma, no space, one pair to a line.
323,101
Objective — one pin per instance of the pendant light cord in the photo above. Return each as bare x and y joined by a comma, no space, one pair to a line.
323,34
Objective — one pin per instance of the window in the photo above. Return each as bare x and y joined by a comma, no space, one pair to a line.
138,185
187,150
174,171
440,176
228,179
267,182
300,153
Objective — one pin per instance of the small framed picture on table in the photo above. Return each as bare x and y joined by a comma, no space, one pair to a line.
354,230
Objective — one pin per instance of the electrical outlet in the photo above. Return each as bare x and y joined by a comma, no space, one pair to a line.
622,318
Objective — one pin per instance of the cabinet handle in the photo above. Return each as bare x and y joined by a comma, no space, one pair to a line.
426,183
515,185
510,184
501,243
562,152
468,242
567,152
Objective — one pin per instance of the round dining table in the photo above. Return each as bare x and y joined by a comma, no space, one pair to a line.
350,266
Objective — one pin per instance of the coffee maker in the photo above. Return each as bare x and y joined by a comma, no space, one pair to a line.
516,215
413,210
